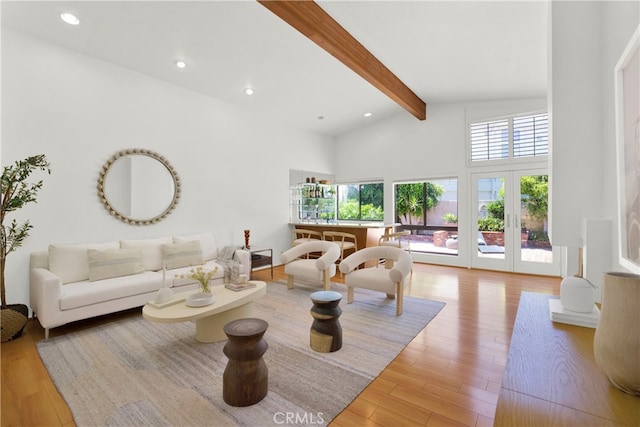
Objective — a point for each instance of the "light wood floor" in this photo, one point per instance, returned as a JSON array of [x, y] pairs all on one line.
[[449, 375]]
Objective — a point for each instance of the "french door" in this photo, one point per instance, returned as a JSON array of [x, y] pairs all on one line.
[[509, 223]]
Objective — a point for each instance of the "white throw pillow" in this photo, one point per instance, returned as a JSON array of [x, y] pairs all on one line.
[[71, 263], [182, 254], [114, 263], [152, 258], [208, 243]]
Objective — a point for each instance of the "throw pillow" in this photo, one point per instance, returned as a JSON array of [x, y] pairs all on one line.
[[151, 250], [208, 243], [182, 254], [114, 263], [70, 262]]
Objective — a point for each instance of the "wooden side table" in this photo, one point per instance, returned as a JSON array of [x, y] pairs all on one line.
[[551, 377], [326, 332], [245, 379]]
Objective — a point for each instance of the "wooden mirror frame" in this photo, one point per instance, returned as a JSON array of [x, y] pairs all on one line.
[[140, 152]]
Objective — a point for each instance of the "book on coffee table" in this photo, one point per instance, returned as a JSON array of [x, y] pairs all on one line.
[[240, 286]]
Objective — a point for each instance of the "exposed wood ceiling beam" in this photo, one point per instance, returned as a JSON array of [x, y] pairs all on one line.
[[312, 21]]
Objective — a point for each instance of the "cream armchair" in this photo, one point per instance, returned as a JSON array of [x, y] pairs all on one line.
[[388, 279], [320, 270]]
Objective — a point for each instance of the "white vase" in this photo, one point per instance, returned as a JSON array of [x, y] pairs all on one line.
[[616, 344], [576, 294]]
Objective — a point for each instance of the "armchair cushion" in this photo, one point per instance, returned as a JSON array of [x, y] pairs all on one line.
[[308, 268], [330, 250], [387, 280]]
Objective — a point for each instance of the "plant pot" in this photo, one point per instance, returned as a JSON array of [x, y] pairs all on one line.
[[616, 345], [13, 319]]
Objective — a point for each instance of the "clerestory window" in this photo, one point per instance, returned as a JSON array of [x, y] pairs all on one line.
[[509, 138]]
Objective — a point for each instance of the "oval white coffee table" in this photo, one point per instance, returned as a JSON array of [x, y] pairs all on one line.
[[229, 305]]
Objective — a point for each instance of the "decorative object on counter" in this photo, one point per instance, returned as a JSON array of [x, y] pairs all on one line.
[[15, 194], [616, 344], [201, 275], [245, 381], [326, 331], [247, 233]]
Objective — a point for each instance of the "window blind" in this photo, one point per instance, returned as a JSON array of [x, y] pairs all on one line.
[[490, 140], [530, 136], [515, 137]]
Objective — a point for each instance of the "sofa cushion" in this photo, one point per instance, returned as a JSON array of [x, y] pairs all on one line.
[[114, 263], [71, 263], [152, 258], [85, 293], [208, 243], [182, 254]]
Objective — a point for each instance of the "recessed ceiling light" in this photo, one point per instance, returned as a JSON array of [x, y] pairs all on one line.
[[368, 114], [320, 117], [181, 64], [69, 18], [248, 91]]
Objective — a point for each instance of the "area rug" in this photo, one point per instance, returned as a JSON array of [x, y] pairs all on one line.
[[133, 372]]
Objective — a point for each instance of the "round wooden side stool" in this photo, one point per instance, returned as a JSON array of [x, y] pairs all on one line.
[[326, 332], [245, 378]]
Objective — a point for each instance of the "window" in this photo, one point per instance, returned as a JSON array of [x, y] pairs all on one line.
[[515, 137], [430, 210], [361, 202]]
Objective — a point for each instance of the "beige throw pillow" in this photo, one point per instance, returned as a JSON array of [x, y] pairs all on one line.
[[151, 250], [114, 263], [208, 243], [182, 254]]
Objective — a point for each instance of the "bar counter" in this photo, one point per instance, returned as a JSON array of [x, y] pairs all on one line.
[[368, 234]]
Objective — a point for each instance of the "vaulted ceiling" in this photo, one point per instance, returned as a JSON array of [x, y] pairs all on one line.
[[444, 51]]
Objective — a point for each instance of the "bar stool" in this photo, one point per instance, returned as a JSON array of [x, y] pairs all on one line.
[[346, 241]]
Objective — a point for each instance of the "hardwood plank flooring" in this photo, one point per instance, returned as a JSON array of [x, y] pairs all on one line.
[[449, 375]]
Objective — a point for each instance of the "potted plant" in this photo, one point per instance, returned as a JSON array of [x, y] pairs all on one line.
[[450, 218], [16, 193]]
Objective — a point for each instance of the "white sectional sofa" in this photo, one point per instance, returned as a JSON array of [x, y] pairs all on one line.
[[79, 281]]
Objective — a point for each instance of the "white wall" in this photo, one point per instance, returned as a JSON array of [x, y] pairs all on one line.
[[234, 165], [402, 148], [588, 39]]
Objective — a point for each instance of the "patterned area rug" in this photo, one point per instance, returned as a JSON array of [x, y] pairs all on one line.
[[135, 372]]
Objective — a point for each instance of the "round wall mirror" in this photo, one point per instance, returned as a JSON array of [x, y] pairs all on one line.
[[138, 186]]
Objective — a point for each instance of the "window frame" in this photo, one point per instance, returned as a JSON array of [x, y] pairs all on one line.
[[360, 184]]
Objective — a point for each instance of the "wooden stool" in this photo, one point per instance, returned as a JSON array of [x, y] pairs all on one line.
[[245, 379], [326, 332]]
